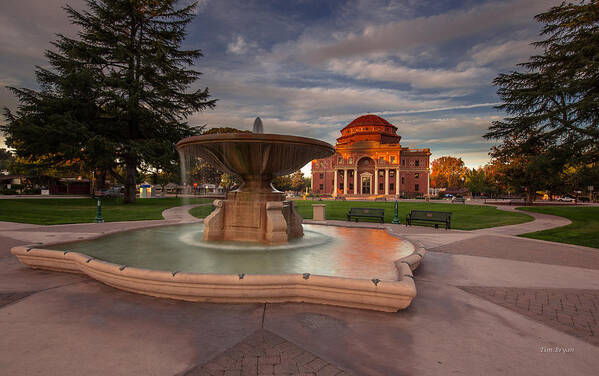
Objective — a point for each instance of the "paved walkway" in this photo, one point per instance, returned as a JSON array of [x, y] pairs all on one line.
[[477, 312], [573, 311], [24, 233]]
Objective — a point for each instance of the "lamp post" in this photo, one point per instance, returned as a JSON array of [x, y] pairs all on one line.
[[99, 218], [396, 214]]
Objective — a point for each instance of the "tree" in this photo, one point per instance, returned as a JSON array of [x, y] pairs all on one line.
[[475, 181], [448, 172], [308, 182], [228, 181], [553, 106], [205, 173], [225, 130], [297, 181], [486, 179], [282, 183], [6, 158], [44, 170], [116, 96]]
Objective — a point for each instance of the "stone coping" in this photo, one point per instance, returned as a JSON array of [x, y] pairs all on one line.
[[379, 295]]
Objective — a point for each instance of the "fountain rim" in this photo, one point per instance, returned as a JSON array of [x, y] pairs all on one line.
[[375, 294], [252, 138]]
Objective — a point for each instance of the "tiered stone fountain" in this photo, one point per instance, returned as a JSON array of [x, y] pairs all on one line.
[[255, 212], [328, 266]]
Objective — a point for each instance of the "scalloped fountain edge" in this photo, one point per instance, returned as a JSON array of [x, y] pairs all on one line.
[[379, 295]]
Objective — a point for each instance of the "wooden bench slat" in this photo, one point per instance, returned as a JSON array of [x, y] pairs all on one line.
[[366, 213], [430, 216]]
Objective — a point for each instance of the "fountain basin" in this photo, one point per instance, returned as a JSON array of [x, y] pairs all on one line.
[[345, 290]]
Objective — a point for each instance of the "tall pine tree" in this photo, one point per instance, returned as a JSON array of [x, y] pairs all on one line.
[[553, 105], [118, 94]]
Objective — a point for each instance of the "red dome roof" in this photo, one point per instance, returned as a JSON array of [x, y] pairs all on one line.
[[369, 120], [369, 128]]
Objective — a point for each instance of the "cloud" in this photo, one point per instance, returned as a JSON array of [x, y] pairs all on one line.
[[7, 99], [239, 46], [201, 5], [249, 91], [458, 135], [420, 32], [450, 108], [27, 27], [311, 70], [509, 52], [387, 71]]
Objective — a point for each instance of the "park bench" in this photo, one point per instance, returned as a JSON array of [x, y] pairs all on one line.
[[340, 198], [429, 216], [366, 213], [459, 199], [380, 199]]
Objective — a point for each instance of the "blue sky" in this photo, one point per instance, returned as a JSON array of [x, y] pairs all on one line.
[[309, 67]]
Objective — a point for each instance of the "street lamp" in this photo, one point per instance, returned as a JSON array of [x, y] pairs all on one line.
[[395, 220], [99, 218]]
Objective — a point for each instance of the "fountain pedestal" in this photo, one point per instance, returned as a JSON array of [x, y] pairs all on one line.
[[267, 219]]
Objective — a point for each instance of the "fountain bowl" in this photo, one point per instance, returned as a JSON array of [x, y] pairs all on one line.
[[256, 157]]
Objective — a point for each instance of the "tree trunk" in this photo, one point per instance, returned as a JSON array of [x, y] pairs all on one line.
[[130, 179], [530, 196], [100, 179]]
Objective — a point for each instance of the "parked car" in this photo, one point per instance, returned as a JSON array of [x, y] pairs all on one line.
[[566, 199], [110, 192]]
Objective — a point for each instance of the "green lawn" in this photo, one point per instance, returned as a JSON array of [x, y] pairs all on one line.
[[465, 217], [201, 211], [53, 211], [584, 229]]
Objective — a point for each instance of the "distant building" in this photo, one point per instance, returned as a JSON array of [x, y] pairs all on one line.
[[370, 161]]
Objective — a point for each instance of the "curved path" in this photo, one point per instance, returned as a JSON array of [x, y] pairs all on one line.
[[21, 233], [540, 222], [488, 303]]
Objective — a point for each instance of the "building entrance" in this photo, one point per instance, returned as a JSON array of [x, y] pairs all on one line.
[[366, 185]]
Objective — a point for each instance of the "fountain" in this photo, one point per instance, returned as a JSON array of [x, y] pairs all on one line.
[[252, 247], [254, 212]]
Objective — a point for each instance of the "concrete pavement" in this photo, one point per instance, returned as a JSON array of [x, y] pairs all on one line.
[[63, 324]]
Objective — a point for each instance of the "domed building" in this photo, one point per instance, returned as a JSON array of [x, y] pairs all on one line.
[[369, 161]]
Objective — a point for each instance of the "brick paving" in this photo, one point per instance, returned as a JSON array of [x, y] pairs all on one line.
[[265, 353], [573, 311]]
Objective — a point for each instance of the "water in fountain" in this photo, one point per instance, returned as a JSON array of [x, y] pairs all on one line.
[[323, 250]]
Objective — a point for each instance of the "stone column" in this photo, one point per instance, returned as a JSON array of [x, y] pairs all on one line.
[[355, 181], [428, 183], [376, 182], [397, 181], [345, 181], [335, 184], [386, 181]]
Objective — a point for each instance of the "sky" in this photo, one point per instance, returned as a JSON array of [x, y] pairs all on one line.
[[309, 67]]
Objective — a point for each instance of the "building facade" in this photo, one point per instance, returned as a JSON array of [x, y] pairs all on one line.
[[370, 161]]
